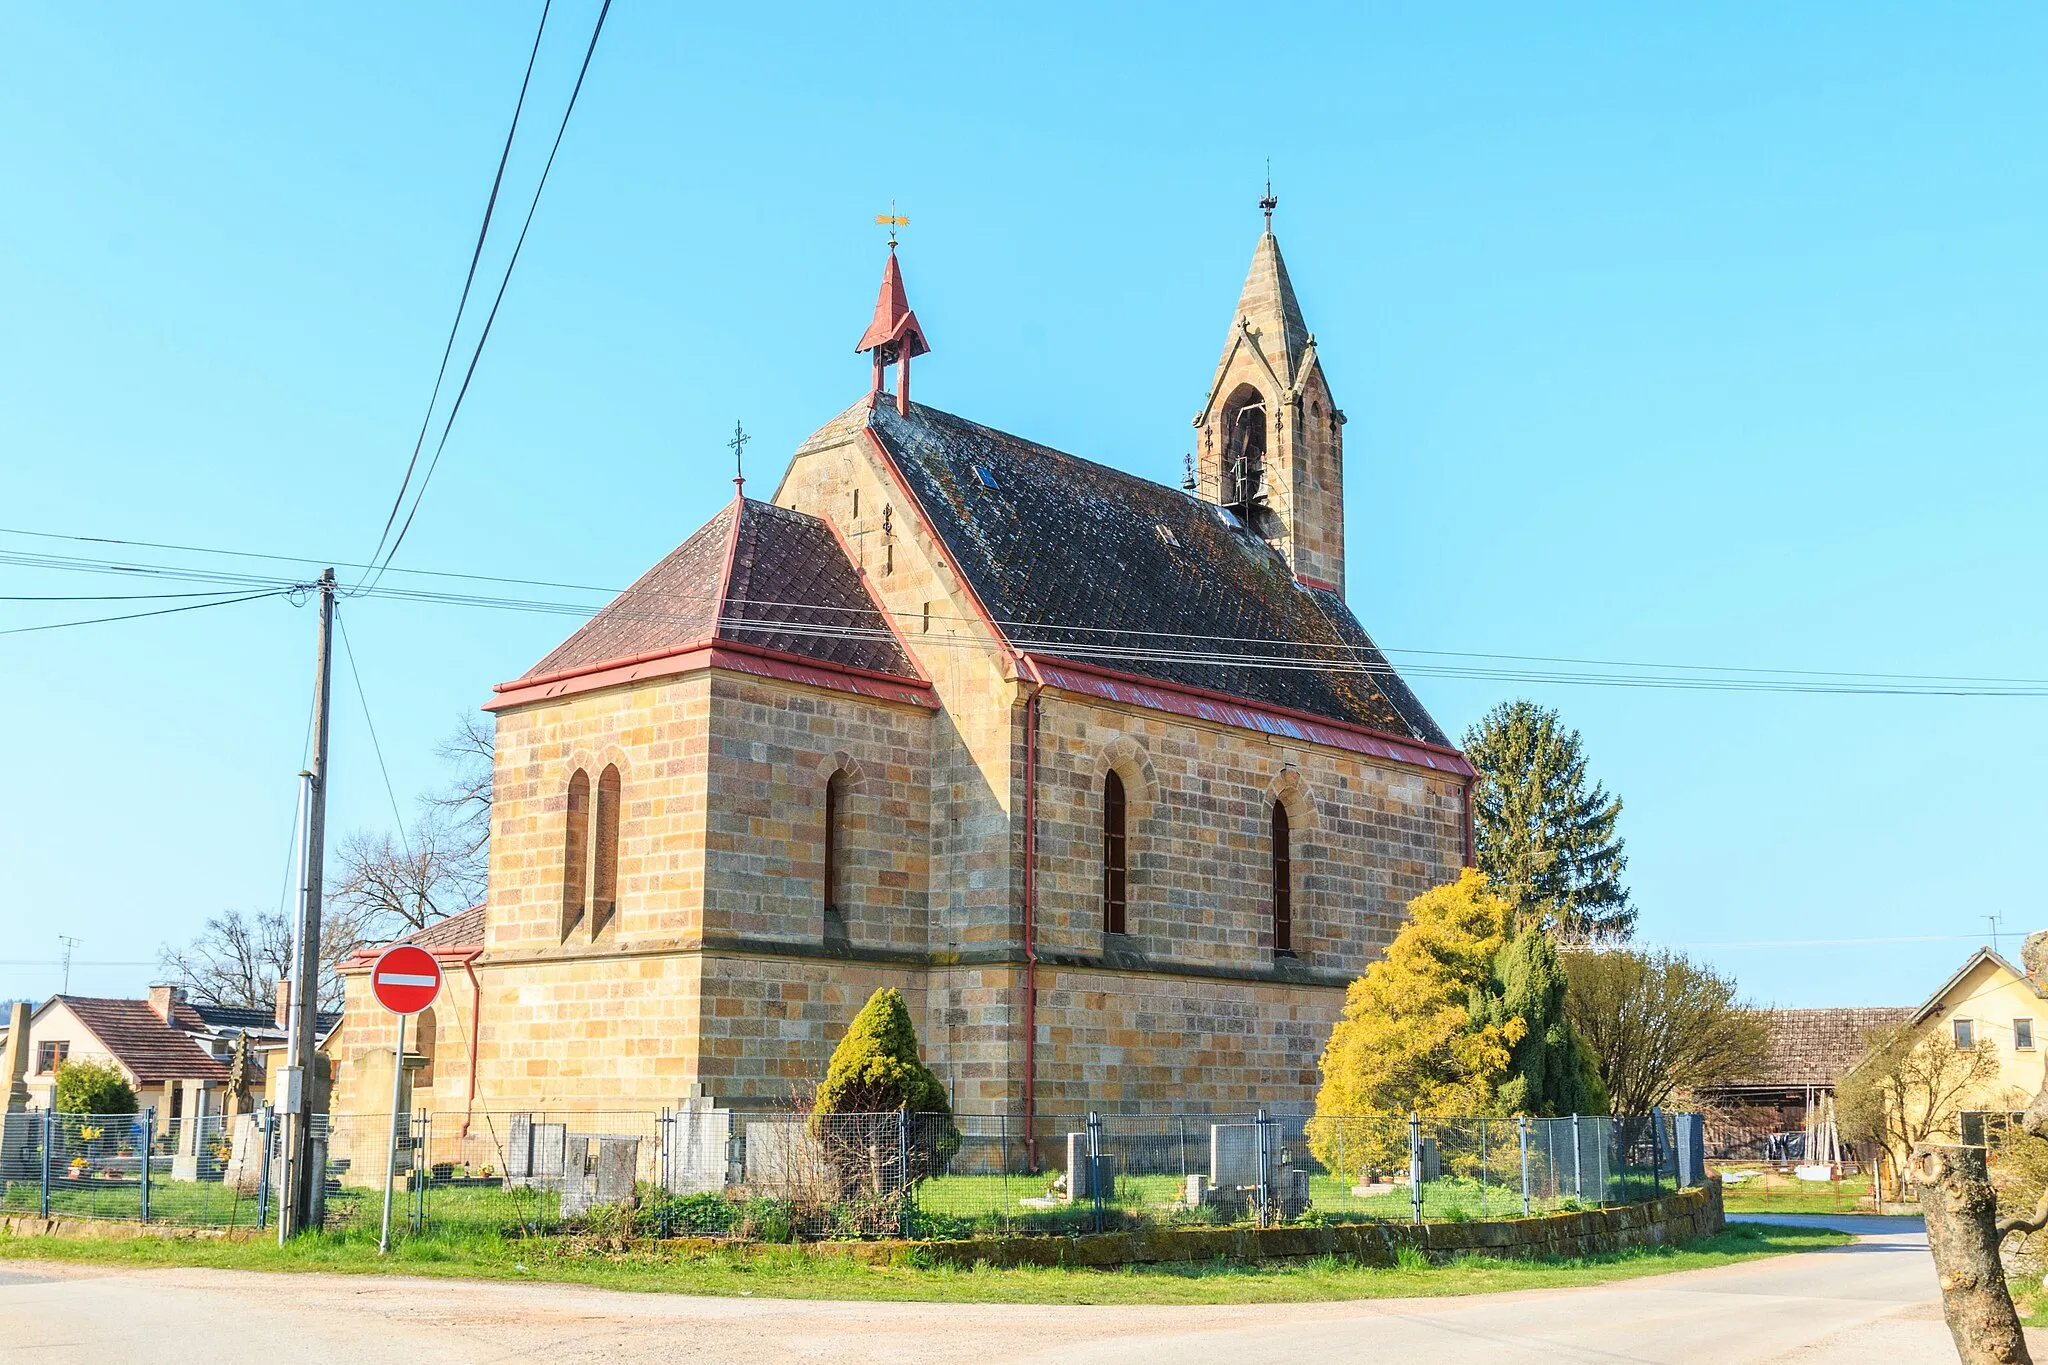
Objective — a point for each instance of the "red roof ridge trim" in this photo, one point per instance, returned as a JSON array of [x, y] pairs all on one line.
[[1434, 757]]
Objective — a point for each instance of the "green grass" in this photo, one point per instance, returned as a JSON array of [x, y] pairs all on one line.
[[790, 1273], [1772, 1192]]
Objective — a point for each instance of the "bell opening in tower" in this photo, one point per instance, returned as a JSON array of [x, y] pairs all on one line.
[[1244, 452]]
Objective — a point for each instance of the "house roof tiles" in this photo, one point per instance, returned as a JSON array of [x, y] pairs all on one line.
[[150, 1048]]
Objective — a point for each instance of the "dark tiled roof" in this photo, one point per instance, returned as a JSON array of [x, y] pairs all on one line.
[[462, 930], [235, 1016], [143, 1043], [756, 574], [1077, 559], [1813, 1047]]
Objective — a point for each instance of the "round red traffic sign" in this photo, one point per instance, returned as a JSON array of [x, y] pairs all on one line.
[[406, 979]]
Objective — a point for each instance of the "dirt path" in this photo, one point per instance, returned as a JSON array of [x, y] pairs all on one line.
[[1874, 1300]]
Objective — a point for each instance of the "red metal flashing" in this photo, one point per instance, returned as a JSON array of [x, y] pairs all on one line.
[[1315, 583], [734, 656], [1222, 709]]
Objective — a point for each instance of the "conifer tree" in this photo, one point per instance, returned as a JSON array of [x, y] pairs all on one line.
[[1545, 832], [876, 1069], [1550, 1071]]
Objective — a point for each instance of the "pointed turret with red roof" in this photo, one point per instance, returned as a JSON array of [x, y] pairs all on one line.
[[894, 336]]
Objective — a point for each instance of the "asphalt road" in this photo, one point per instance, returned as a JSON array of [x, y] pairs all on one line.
[[1874, 1300]]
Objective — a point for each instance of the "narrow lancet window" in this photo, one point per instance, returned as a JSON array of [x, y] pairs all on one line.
[[1114, 854], [835, 853], [1283, 883], [575, 852], [604, 889]]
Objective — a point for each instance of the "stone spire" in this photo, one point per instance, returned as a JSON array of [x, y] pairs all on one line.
[[1272, 441]]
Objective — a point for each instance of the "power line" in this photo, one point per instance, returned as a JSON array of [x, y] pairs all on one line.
[[456, 408], [348, 652], [1086, 643], [476, 255], [139, 615]]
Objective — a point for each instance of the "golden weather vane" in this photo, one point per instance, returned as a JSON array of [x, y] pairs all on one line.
[[892, 220]]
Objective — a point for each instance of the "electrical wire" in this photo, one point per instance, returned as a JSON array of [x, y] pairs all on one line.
[[139, 615], [1114, 645], [348, 652], [475, 256], [456, 408]]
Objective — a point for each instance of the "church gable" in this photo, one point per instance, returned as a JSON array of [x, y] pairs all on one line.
[[755, 574]]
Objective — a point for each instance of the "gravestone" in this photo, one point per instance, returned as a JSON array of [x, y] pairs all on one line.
[[600, 1169], [534, 1152], [698, 1159], [785, 1160], [1082, 1169], [244, 1171], [1233, 1156], [1691, 1135]]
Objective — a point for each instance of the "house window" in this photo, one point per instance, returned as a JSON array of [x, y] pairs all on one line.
[[2023, 1035], [1114, 855], [575, 851], [604, 889], [50, 1056], [1966, 1032], [1283, 883], [835, 814]]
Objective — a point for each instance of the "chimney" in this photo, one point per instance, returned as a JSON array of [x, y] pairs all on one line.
[[161, 998], [283, 1005]]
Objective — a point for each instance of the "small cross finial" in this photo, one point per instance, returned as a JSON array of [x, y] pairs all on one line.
[[894, 220], [1271, 201], [738, 446]]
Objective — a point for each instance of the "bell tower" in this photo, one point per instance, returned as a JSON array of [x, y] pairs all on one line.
[[1271, 440]]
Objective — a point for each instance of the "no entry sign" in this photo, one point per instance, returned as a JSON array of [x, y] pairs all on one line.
[[406, 979]]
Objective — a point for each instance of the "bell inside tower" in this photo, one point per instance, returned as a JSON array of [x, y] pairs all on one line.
[[1244, 452]]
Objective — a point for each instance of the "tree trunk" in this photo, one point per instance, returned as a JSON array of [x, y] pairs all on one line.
[[1962, 1232]]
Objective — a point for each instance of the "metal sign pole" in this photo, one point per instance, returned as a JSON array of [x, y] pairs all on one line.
[[391, 1148]]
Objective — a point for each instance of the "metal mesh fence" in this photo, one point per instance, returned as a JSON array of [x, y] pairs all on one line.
[[699, 1170]]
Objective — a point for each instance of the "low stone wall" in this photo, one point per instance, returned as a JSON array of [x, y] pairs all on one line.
[[31, 1225], [1675, 1218]]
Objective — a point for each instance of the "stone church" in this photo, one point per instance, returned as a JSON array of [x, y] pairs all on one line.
[[1102, 774]]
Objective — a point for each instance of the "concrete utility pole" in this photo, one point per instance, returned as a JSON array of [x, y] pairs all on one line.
[[300, 1192]]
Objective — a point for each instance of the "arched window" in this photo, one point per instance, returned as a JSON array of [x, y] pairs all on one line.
[[1114, 855], [575, 852], [835, 819], [604, 889], [1283, 883]]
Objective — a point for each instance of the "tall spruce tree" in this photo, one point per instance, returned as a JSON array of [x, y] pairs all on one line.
[[1546, 833], [1550, 1070]]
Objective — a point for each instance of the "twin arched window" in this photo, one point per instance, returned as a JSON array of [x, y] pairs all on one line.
[[590, 852], [1116, 866]]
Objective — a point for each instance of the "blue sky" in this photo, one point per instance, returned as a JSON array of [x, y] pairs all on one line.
[[1709, 338]]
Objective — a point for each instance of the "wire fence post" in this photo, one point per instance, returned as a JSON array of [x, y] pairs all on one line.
[[1656, 1152], [1522, 1127], [263, 1178], [148, 1141], [1265, 1170], [903, 1171], [1094, 1164], [1415, 1160], [1578, 1172], [1482, 1168], [49, 1139]]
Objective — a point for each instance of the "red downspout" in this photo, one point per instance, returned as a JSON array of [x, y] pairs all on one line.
[[1030, 924], [476, 1031]]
